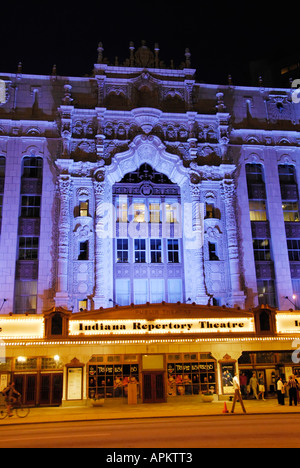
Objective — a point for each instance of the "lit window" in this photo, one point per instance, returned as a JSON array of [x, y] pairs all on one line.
[[139, 212], [84, 208], [122, 210], [155, 213], [171, 212], [257, 210], [290, 211], [82, 305]]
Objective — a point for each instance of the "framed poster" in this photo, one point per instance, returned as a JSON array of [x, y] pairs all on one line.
[[75, 375], [227, 374]]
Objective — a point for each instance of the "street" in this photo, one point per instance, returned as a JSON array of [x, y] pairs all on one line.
[[240, 431]]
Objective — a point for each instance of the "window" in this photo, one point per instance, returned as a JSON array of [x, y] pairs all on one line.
[[254, 173], [174, 290], [2, 167], [155, 212], [25, 297], [30, 206], [139, 211], [155, 251], [257, 210], [191, 378], [83, 251], [83, 305], [294, 249], [290, 211], [261, 249], [212, 249], [32, 167], [210, 211], [173, 250], [123, 292], [84, 208], [122, 210], [140, 250], [122, 251], [286, 174], [296, 292], [111, 381], [266, 292], [140, 291], [28, 248], [157, 291], [171, 212]]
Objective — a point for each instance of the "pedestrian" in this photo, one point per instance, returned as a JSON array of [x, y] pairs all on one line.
[[237, 393], [243, 382], [254, 384], [261, 387], [280, 391], [292, 385]]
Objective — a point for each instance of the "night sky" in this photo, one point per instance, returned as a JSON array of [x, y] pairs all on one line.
[[223, 38]]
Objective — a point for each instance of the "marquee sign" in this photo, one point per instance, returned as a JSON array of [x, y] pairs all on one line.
[[288, 323], [21, 328], [160, 327]]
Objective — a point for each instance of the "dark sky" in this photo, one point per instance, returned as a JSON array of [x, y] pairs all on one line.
[[223, 38]]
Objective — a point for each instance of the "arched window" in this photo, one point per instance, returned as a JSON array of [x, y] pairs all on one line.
[[32, 167]]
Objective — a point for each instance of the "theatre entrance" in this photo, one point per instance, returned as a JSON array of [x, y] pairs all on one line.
[[154, 378], [154, 387]]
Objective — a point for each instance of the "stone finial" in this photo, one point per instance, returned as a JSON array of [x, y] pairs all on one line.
[[156, 51], [187, 58], [100, 53], [67, 99], [132, 49]]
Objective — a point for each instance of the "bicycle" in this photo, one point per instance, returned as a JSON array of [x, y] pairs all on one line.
[[17, 408]]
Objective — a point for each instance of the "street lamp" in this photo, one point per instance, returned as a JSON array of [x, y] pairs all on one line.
[[294, 297]]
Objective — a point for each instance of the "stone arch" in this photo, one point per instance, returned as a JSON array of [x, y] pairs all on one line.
[[150, 150]]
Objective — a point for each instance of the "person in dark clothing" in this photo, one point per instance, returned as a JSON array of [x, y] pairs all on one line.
[[292, 386]]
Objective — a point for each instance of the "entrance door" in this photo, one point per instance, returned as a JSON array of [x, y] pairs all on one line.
[[154, 387], [26, 385], [51, 389]]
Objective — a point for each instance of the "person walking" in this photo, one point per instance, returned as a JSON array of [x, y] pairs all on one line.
[[261, 387], [237, 393], [253, 385], [292, 385], [280, 391]]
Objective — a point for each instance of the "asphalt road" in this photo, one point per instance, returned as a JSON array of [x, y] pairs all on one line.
[[239, 431]]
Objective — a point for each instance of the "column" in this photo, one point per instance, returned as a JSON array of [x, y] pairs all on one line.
[[228, 193], [198, 254], [62, 294], [100, 299]]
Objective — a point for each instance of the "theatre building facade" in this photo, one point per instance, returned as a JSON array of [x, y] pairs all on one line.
[[150, 234]]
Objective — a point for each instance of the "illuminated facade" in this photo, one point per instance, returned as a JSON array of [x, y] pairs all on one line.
[[139, 185]]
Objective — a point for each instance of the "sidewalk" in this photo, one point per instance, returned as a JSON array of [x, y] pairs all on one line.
[[117, 410]]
